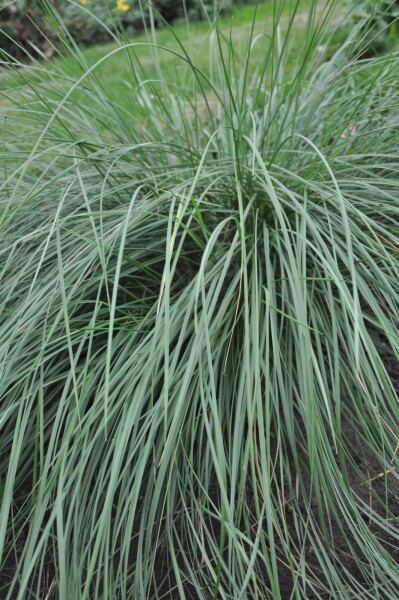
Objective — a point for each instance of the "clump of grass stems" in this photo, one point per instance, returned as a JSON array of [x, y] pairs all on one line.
[[199, 300]]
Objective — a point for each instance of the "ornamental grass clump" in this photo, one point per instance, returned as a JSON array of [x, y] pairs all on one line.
[[199, 319]]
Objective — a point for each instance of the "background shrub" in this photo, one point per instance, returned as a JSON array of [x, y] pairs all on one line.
[[133, 15], [23, 29], [88, 24], [379, 25]]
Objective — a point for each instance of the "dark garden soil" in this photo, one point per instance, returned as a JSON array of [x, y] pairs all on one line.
[[366, 468]]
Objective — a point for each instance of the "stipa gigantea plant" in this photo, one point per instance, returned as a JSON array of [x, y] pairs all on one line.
[[199, 310]]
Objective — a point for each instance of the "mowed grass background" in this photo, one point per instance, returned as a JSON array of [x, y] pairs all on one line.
[[199, 304]]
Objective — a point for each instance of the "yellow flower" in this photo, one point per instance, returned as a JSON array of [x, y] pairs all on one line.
[[83, 1], [122, 5]]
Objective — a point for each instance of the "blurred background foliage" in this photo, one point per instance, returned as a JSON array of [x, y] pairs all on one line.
[[22, 26], [23, 29], [87, 26], [378, 20]]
